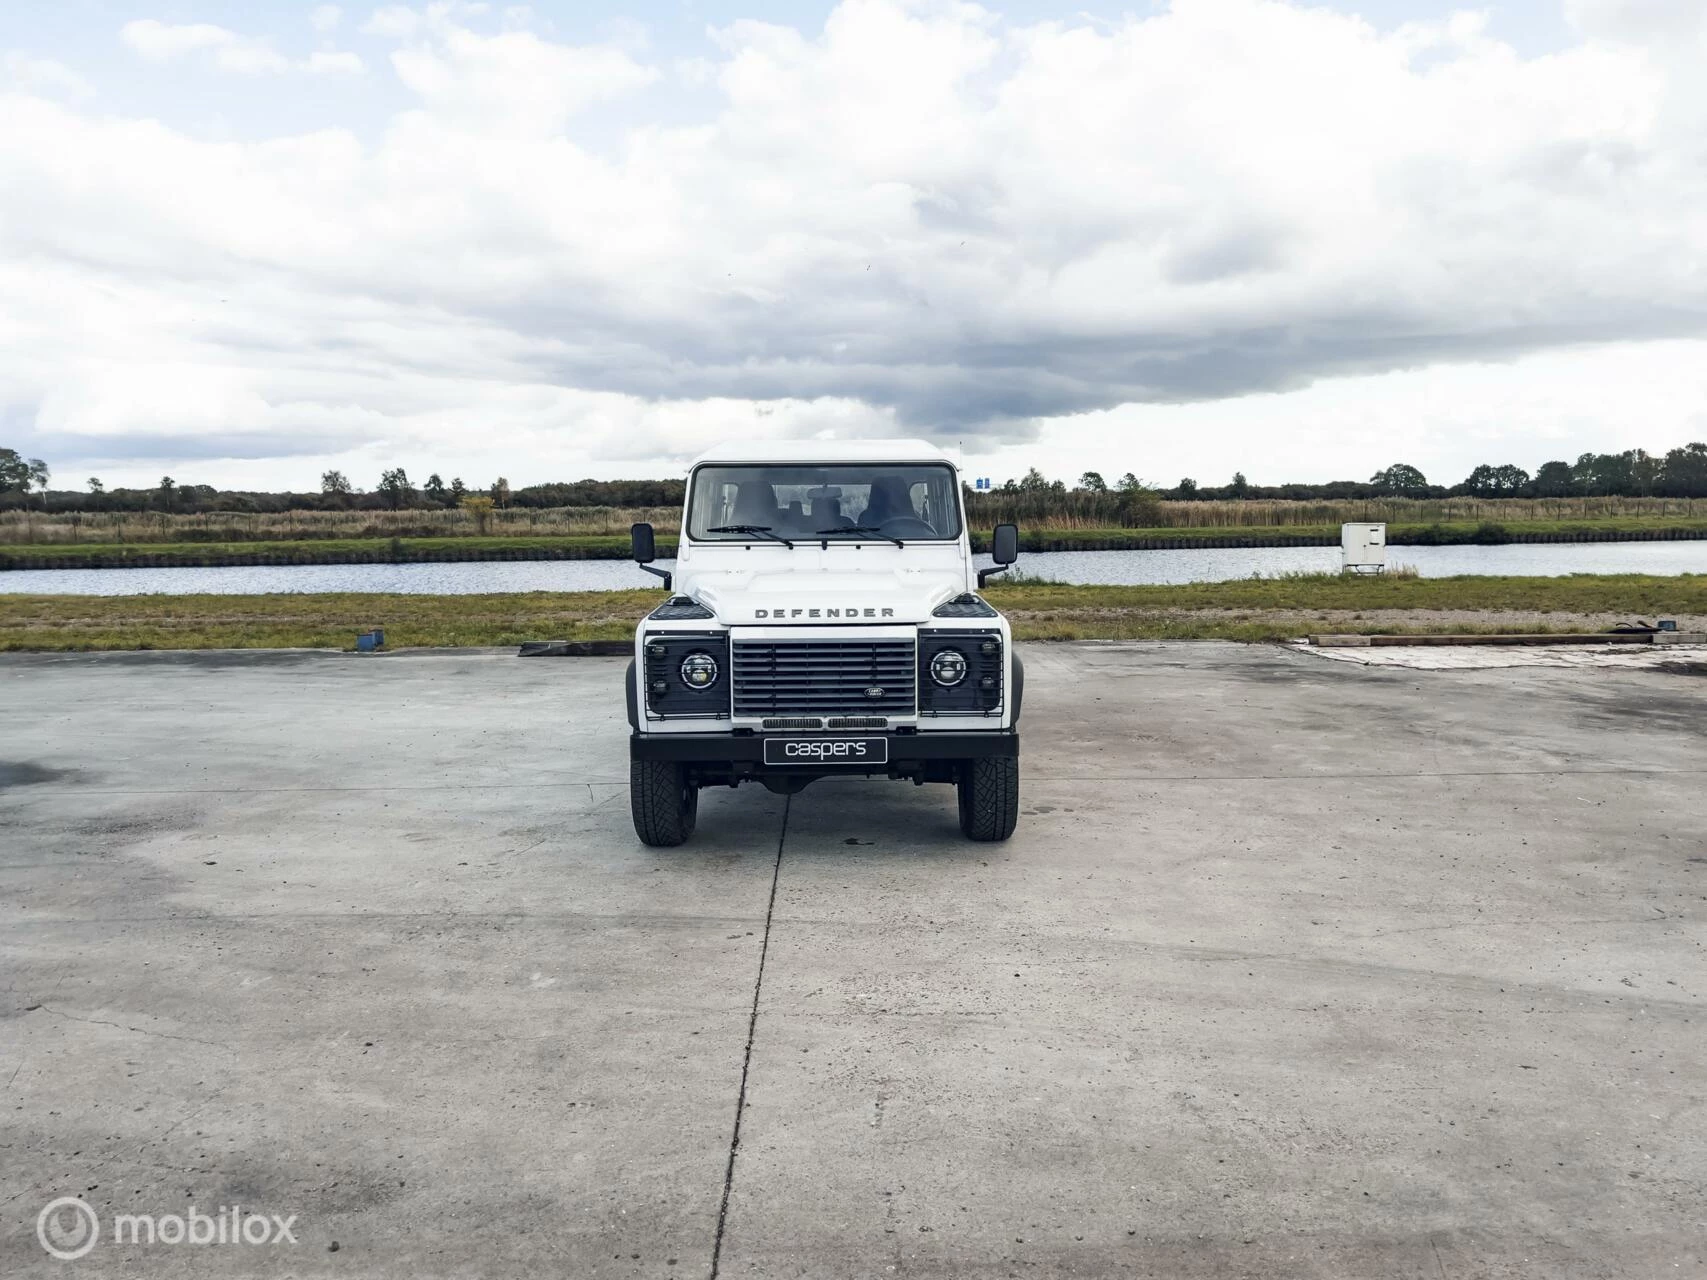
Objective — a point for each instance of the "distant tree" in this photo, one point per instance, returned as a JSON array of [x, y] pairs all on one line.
[[1186, 489], [1033, 482], [1512, 480], [166, 493], [434, 488], [479, 506], [1129, 483], [1600, 474], [1092, 482], [14, 471], [334, 482], [395, 488], [1139, 507], [1240, 486], [96, 487], [457, 490], [1645, 472], [1685, 472], [500, 492], [20, 473], [1553, 480], [1400, 478], [1497, 482]]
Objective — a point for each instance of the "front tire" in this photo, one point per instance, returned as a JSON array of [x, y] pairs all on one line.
[[665, 804], [989, 798]]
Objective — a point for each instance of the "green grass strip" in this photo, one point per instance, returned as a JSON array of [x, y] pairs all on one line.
[[1250, 609]]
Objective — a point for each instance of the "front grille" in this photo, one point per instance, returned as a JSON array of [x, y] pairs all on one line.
[[794, 722], [824, 677], [858, 722]]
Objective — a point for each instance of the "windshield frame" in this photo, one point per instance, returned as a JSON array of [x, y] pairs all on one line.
[[703, 536]]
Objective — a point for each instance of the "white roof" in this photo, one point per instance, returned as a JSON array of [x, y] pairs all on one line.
[[811, 451]]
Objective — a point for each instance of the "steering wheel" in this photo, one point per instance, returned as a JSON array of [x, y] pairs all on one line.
[[908, 527]]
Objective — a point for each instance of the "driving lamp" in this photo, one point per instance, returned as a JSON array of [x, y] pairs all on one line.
[[948, 667], [699, 670]]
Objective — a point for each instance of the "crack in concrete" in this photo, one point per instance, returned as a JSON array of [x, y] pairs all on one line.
[[747, 1057], [141, 1031]]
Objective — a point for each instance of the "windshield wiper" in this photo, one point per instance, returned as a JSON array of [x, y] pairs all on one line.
[[864, 528], [763, 529]]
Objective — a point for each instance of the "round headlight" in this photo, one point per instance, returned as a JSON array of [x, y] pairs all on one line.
[[699, 670], [948, 668]]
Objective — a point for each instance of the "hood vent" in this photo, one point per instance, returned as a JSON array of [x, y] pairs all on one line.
[[681, 609]]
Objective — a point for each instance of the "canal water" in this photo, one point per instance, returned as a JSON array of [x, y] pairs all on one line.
[[1103, 568]]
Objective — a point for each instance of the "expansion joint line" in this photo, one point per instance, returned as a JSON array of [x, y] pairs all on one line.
[[747, 1057]]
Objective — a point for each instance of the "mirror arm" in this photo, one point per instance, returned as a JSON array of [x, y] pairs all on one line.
[[984, 575], [659, 573]]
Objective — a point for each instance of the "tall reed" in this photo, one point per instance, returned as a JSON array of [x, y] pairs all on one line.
[[1073, 510]]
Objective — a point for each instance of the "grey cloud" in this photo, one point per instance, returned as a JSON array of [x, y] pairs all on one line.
[[1088, 218], [77, 450]]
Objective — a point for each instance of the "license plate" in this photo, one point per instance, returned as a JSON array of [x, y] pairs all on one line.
[[826, 751]]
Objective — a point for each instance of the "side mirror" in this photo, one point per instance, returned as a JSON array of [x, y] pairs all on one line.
[[645, 551], [1004, 550]]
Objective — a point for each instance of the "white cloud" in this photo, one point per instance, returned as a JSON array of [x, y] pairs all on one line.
[[164, 42], [227, 50], [161, 42], [1443, 418], [25, 73], [325, 18], [394, 21], [512, 82], [1641, 21], [330, 62], [921, 219]]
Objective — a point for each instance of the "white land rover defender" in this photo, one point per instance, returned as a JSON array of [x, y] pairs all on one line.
[[823, 620]]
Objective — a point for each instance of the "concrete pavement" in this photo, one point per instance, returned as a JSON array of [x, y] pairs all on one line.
[[1292, 968]]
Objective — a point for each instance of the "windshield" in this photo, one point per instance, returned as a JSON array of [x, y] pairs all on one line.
[[863, 501]]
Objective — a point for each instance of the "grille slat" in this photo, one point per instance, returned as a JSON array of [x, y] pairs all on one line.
[[824, 677]]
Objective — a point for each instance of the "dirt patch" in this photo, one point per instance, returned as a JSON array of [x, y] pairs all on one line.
[[16, 773], [1308, 620]]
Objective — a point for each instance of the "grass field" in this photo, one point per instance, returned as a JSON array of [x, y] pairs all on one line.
[[153, 527], [72, 555], [1251, 610]]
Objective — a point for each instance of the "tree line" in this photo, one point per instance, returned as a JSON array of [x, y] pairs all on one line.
[[1678, 473], [1635, 473], [24, 482]]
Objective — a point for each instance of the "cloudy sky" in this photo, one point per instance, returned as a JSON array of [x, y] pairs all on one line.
[[244, 241]]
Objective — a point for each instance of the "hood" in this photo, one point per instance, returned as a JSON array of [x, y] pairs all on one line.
[[744, 597]]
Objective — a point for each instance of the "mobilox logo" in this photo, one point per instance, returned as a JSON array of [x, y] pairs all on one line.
[[69, 1227]]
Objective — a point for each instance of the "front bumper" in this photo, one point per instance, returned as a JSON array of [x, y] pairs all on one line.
[[732, 757]]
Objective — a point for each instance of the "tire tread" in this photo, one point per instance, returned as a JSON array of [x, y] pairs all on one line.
[[989, 798], [661, 819]]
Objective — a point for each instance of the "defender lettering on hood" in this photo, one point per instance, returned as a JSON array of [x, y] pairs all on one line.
[[853, 612]]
